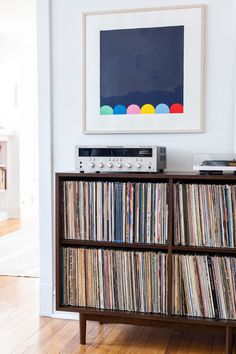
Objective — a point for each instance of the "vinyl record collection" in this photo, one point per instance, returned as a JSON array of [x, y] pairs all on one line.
[[205, 215], [144, 270], [118, 280], [204, 286], [116, 211], [2, 178]]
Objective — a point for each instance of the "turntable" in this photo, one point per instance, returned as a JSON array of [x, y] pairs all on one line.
[[215, 164]]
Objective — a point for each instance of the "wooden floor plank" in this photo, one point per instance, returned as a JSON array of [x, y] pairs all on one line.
[[129, 336], [139, 342], [202, 343], [110, 340], [73, 345], [23, 331], [158, 341], [148, 340], [174, 342], [9, 225], [185, 343], [218, 346], [55, 342]]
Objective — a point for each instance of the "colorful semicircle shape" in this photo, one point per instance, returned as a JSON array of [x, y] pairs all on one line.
[[147, 109], [162, 108], [133, 109], [176, 108], [106, 110], [119, 109]]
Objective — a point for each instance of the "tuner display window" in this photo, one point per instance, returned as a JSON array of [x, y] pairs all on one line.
[[115, 152]]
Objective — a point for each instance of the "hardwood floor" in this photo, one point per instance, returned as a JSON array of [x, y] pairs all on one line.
[[23, 331], [9, 225]]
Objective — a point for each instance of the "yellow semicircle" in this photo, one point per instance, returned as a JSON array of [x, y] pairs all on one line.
[[147, 109]]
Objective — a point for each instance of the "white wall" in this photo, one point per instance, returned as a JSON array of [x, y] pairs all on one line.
[[17, 18], [67, 85], [9, 117], [60, 76], [9, 74], [27, 103], [234, 14], [45, 160]]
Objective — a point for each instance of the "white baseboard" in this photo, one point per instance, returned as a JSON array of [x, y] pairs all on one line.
[[65, 315], [3, 215], [13, 214]]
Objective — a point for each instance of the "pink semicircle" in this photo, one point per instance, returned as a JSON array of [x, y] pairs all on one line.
[[133, 109]]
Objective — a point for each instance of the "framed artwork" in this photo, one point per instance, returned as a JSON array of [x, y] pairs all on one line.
[[143, 70]]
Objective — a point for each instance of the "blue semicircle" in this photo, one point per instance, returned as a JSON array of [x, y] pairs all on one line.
[[162, 108], [119, 109]]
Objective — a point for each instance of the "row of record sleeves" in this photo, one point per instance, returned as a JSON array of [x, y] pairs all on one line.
[[114, 280], [205, 215], [115, 211], [204, 286]]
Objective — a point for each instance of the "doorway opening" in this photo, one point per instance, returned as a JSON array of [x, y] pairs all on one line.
[[19, 250]]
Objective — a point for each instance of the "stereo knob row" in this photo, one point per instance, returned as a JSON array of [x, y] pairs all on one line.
[[110, 165], [128, 165]]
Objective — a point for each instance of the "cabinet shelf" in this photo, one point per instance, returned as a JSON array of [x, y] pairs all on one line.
[[107, 244], [204, 249], [150, 316], [148, 246], [171, 250]]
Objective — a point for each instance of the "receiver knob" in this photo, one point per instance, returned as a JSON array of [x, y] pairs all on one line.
[[91, 164], [138, 165], [128, 165], [119, 165], [100, 164], [110, 164]]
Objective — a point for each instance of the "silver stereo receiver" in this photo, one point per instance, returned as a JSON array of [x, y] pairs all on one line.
[[120, 158]]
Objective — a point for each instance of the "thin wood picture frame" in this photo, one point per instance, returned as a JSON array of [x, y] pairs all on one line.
[[142, 90]]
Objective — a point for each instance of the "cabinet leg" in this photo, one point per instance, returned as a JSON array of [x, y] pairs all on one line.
[[82, 324], [229, 340]]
